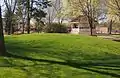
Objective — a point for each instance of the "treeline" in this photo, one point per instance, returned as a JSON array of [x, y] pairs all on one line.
[[18, 14], [107, 11]]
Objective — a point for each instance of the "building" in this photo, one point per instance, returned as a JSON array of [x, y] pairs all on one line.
[[80, 25]]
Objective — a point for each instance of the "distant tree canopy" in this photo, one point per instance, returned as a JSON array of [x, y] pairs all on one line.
[[23, 11], [10, 8], [114, 7], [89, 8], [113, 13]]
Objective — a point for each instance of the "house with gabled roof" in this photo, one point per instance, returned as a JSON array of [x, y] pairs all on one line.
[[80, 25]]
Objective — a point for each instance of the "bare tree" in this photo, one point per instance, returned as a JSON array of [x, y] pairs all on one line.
[[11, 6], [21, 14], [114, 7], [89, 8], [113, 12], [54, 11]]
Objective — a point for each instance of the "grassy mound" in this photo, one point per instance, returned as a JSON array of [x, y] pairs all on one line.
[[60, 56]]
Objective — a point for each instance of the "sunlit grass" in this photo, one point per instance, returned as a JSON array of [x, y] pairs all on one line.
[[64, 55]]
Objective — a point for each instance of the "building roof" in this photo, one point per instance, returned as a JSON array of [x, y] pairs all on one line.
[[81, 19]]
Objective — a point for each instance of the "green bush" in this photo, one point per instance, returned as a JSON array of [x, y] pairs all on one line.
[[55, 28]]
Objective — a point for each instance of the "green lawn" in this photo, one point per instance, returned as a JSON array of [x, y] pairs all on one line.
[[60, 56]]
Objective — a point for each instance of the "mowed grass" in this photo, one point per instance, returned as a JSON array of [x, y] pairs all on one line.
[[60, 56]]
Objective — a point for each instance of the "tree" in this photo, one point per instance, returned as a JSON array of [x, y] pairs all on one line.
[[88, 8], [54, 12], [113, 13], [38, 14], [28, 16], [21, 13], [2, 44], [6, 17], [38, 3], [11, 6], [114, 7]]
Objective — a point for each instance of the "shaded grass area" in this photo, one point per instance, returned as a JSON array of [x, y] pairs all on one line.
[[60, 56]]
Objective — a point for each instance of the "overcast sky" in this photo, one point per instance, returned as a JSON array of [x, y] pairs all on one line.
[[1, 2]]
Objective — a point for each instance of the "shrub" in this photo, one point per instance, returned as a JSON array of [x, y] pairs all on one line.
[[55, 28]]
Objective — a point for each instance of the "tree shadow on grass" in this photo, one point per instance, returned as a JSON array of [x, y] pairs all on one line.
[[88, 66], [23, 49], [19, 51]]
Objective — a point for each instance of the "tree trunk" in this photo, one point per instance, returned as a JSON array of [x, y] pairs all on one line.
[[12, 29], [91, 27], [2, 44], [9, 23], [23, 26], [28, 16], [9, 27], [110, 27], [91, 31]]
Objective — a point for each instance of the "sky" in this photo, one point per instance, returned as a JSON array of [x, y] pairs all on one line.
[[2, 6], [1, 2]]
